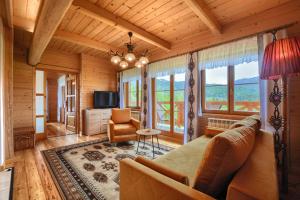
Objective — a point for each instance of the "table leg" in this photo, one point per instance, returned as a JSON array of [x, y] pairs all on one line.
[[137, 150], [157, 141], [144, 141], [152, 145]]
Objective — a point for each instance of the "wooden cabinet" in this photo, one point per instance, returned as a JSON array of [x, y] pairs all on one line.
[[24, 138], [95, 121]]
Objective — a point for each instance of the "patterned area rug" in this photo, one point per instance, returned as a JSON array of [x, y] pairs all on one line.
[[90, 170]]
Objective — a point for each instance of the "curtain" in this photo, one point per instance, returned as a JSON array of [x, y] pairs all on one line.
[[167, 67], [191, 98], [233, 53], [266, 86], [121, 90], [145, 99], [131, 74]]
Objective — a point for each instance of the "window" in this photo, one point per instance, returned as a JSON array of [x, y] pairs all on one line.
[[133, 93], [216, 89], [162, 103], [179, 81], [168, 109], [231, 89]]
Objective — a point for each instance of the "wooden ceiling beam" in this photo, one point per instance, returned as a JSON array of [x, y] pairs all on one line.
[[51, 14], [109, 18], [23, 24], [206, 16], [279, 16], [83, 41]]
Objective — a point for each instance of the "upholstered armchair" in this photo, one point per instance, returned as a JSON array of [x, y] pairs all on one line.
[[121, 126]]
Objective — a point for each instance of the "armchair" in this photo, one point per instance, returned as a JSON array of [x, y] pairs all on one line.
[[121, 126]]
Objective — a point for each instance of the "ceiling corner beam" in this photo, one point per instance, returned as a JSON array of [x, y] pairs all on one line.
[[51, 14], [83, 41], [206, 16], [109, 18], [23, 24]]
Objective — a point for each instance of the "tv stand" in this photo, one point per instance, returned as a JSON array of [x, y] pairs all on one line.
[[95, 121]]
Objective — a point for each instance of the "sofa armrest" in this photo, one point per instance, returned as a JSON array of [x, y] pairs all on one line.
[[110, 129], [163, 170], [138, 182], [135, 123]]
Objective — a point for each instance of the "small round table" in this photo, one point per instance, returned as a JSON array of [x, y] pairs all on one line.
[[148, 132]]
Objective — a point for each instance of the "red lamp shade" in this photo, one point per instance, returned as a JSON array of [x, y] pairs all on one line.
[[281, 59]]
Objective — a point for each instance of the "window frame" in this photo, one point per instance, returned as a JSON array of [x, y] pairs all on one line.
[[170, 134], [126, 88], [230, 111]]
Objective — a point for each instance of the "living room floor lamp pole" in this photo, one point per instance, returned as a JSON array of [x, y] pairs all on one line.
[[281, 60]]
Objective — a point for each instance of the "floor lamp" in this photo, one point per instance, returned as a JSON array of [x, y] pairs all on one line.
[[281, 60]]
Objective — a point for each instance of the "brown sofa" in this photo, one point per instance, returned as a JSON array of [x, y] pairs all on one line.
[[254, 179], [122, 127]]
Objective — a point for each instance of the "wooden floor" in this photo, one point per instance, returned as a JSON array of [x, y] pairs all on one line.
[[55, 129], [32, 178]]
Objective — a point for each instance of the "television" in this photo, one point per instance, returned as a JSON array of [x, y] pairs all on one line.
[[106, 99]]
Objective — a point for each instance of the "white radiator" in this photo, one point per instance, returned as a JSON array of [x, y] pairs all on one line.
[[220, 123]]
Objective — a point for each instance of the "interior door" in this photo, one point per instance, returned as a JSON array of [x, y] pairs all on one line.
[[70, 105], [40, 104]]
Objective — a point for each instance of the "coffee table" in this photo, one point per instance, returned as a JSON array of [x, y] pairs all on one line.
[[145, 133]]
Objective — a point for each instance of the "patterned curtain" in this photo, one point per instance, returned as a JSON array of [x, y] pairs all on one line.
[[145, 98], [191, 98]]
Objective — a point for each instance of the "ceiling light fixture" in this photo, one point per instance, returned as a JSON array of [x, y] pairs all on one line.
[[129, 57]]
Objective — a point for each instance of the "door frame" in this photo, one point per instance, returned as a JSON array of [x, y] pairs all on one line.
[[45, 68]]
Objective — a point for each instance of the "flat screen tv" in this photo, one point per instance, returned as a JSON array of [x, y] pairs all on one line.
[[105, 99]]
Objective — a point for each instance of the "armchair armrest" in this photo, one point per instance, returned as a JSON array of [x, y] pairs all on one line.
[[135, 123], [110, 129], [138, 182]]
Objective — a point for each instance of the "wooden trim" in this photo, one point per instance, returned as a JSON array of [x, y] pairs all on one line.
[[50, 16], [172, 105], [200, 8], [56, 68], [109, 18], [84, 41], [153, 86], [171, 139], [6, 9], [230, 75], [126, 94]]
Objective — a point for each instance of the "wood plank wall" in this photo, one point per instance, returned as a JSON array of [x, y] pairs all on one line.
[[96, 74], [23, 91], [7, 81], [52, 99]]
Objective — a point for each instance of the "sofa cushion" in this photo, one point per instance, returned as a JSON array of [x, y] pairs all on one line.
[[124, 129], [223, 156], [163, 170], [251, 121], [185, 159], [120, 116]]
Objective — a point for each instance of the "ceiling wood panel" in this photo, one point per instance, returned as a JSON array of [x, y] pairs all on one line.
[[171, 20]]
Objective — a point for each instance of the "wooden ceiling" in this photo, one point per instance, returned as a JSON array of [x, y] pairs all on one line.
[[94, 26]]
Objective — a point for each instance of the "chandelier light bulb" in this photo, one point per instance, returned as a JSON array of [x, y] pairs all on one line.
[[130, 57], [123, 64], [144, 60], [115, 59], [138, 64]]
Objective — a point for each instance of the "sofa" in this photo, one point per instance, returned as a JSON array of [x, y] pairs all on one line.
[[122, 127], [238, 164]]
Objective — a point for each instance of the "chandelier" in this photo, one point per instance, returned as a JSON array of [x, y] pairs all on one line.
[[123, 61]]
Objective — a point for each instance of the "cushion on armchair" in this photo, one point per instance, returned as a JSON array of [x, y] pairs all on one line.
[[223, 156], [120, 116], [124, 129], [163, 170]]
